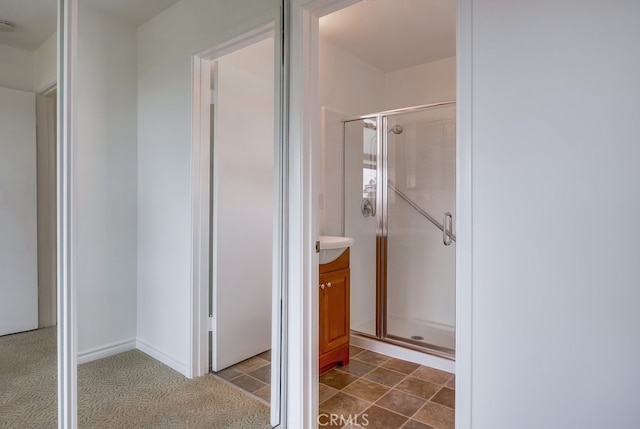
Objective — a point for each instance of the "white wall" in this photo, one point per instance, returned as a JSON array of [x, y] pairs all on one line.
[[428, 83], [29, 71], [45, 64], [18, 235], [106, 181], [165, 46], [555, 129], [348, 87], [243, 203], [17, 68], [348, 84]]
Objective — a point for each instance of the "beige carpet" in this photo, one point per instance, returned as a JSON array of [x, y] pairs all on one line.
[[129, 390]]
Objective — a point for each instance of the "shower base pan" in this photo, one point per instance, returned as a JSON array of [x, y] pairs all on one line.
[[416, 335]]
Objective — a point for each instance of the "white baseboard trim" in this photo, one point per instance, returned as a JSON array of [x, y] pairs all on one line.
[[106, 350], [402, 353], [163, 357]]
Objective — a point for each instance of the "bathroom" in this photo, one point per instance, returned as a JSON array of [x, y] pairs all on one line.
[[367, 66], [387, 91]]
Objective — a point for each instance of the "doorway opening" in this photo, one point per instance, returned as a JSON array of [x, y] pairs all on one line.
[[240, 304], [386, 78], [29, 222], [387, 90]]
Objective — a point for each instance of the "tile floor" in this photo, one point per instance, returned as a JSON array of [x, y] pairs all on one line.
[[391, 393], [252, 375]]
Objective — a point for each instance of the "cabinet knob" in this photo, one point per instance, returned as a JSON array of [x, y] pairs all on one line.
[[329, 284], [322, 286]]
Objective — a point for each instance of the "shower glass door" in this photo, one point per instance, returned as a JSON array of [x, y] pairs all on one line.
[[420, 155], [361, 221], [399, 206]]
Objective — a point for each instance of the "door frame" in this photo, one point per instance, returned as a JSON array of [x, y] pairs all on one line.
[[304, 174], [203, 241]]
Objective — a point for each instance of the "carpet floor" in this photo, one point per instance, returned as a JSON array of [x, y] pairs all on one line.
[[128, 390]]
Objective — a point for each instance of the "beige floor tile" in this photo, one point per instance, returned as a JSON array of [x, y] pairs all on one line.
[[432, 375], [420, 388], [446, 397], [385, 376], [356, 367], [401, 402], [343, 404], [337, 379], [229, 373], [436, 415], [248, 383], [365, 389], [452, 383], [400, 365], [379, 418], [325, 392], [414, 424], [264, 393], [353, 351], [263, 374], [372, 357], [250, 364]]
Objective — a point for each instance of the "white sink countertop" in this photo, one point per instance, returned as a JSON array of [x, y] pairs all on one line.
[[334, 242], [332, 246]]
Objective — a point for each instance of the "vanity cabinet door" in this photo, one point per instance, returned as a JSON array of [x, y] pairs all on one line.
[[334, 310]]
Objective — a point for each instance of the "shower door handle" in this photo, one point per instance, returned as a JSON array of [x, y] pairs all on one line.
[[447, 226]]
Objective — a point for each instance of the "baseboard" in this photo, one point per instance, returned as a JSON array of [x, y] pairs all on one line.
[[106, 350], [402, 353], [162, 357]]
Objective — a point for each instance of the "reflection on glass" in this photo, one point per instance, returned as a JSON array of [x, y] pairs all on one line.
[[360, 176], [28, 60], [154, 80]]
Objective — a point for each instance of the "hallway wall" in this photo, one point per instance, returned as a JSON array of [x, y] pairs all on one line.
[[555, 126], [164, 214], [106, 162]]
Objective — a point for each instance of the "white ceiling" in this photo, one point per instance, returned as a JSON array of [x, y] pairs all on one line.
[[35, 20], [388, 34], [133, 11], [394, 34]]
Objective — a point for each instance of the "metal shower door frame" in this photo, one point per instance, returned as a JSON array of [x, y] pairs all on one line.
[[382, 231]]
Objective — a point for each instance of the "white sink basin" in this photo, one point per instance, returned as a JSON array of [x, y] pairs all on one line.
[[331, 247]]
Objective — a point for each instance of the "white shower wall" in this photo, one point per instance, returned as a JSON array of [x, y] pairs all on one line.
[[353, 88]]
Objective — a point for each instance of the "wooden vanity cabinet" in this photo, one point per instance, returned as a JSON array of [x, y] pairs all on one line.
[[334, 312]]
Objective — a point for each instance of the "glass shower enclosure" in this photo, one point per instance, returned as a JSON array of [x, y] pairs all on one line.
[[399, 205]]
